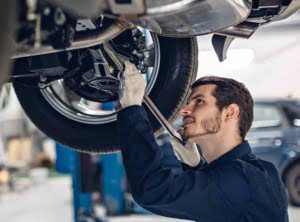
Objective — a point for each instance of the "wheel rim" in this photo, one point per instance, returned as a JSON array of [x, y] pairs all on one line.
[[78, 109]]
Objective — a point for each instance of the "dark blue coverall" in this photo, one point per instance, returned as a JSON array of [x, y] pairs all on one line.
[[236, 187]]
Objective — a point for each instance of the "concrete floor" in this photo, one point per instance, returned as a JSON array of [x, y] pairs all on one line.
[[52, 201]]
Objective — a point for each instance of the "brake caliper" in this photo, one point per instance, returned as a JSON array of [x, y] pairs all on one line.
[[101, 76]]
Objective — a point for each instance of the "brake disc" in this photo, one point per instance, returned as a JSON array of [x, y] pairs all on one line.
[[99, 76]]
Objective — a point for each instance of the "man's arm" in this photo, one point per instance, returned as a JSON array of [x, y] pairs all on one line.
[[192, 195]]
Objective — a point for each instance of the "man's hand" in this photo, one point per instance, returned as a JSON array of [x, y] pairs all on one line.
[[188, 153], [132, 86]]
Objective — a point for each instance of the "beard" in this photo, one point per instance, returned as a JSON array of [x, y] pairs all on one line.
[[210, 125]]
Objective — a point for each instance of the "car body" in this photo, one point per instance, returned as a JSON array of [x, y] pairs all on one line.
[[275, 132]]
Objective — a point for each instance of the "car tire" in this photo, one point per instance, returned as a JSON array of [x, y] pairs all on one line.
[[177, 71], [7, 24], [292, 182]]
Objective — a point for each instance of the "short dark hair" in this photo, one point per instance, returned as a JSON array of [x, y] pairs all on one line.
[[229, 91]]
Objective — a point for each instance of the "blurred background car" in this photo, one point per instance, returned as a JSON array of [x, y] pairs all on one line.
[[275, 137]]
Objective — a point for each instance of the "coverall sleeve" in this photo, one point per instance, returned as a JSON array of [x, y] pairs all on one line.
[[191, 195], [186, 167]]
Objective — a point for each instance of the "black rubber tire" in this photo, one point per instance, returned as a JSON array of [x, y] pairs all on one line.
[[290, 180], [178, 69], [8, 25]]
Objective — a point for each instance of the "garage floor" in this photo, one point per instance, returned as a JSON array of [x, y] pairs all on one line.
[[52, 202]]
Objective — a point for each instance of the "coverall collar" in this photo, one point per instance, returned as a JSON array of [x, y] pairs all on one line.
[[236, 153]]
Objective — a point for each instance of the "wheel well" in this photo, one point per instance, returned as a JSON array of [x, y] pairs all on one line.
[[288, 167]]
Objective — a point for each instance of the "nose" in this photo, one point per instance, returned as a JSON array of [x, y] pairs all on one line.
[[185, 111]]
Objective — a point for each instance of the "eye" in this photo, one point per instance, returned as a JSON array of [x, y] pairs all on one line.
[[199, 101]]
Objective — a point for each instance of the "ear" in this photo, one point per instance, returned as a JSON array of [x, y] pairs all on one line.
[[232, 111]]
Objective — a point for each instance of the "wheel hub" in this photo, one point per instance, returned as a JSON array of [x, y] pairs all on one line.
[[98, 79], [87, 96]]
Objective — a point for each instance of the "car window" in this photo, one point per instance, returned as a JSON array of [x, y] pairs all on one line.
[[293, 113], [266, 116]]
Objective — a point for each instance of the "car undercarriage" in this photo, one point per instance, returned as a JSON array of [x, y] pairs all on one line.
[[67, 78]]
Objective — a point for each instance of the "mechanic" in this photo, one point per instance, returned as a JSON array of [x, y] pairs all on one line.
[[228, 184]]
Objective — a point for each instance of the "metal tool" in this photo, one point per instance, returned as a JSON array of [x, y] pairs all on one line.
[[157, 114], [161, 119]]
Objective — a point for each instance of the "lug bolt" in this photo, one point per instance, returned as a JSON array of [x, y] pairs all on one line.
[[111, 70], [59, 17], [140, 66], [43, 78], [47, 11], [146, 54], [42, 85]]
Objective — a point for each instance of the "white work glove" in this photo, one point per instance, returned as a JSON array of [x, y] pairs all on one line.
[[187, 153], [132, 86]]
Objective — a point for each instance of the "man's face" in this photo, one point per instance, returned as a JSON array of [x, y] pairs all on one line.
[[201, 115]]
